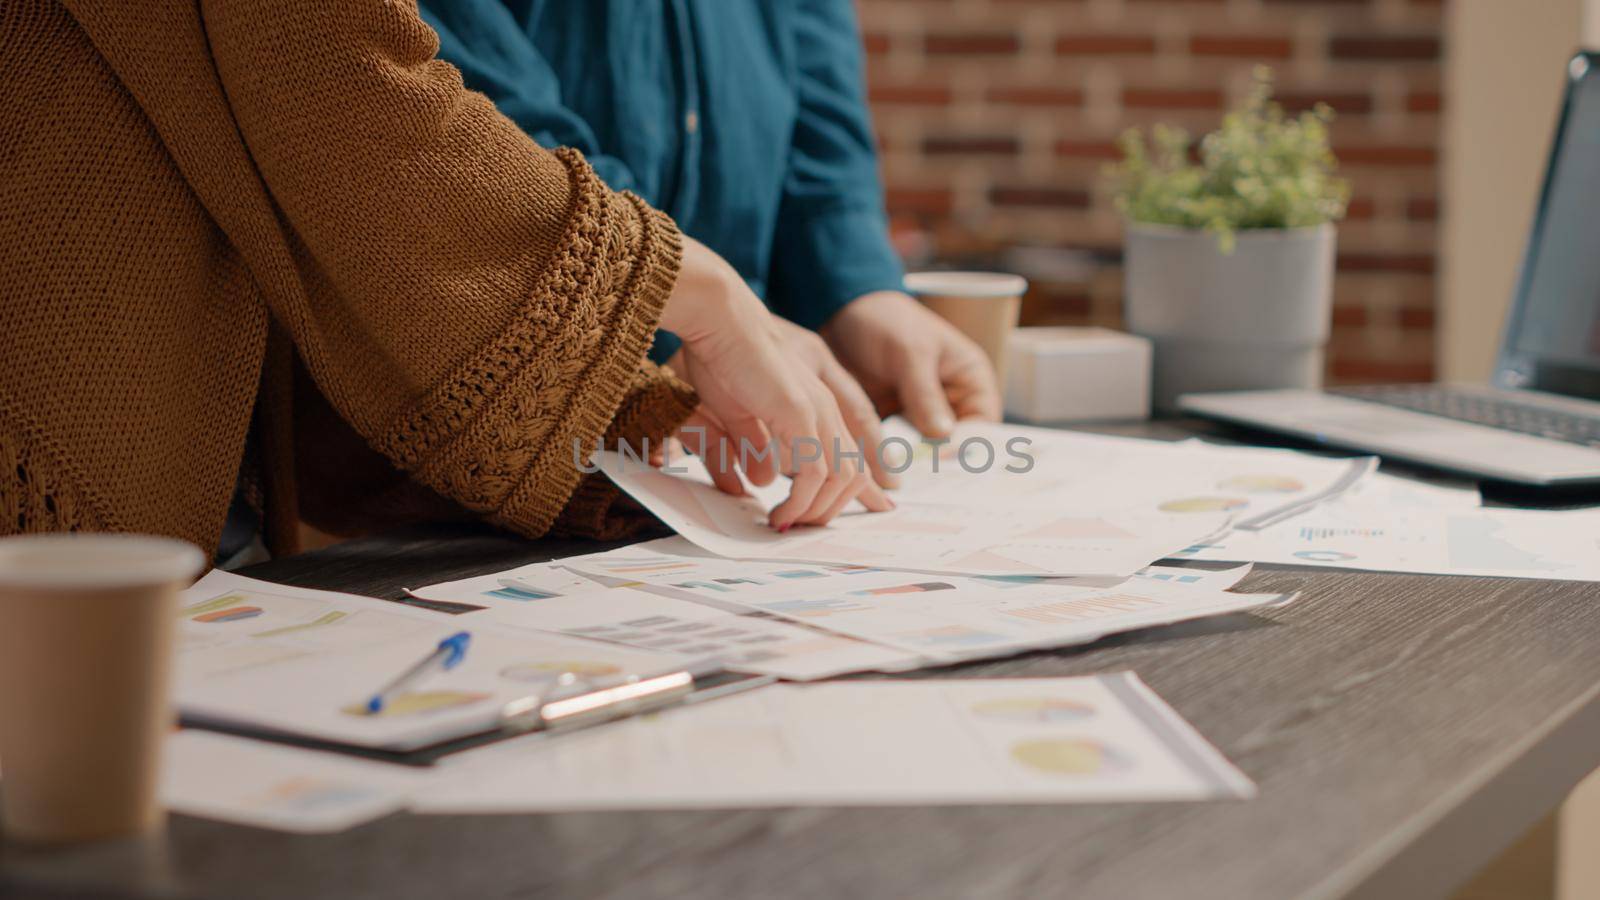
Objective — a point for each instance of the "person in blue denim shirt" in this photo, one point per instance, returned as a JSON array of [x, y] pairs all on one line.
[[746, 121]]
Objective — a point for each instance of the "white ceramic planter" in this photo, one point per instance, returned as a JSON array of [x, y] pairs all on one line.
[[1255, 318]]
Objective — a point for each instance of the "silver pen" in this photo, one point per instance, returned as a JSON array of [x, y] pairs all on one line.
[[636, 694]]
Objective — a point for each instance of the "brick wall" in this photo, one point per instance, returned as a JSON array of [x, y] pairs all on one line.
[[996, 118]]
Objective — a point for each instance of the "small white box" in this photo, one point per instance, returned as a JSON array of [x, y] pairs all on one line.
[[1077, 375]]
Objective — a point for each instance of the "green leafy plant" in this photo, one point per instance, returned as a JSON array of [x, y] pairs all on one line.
[[1261, 169]]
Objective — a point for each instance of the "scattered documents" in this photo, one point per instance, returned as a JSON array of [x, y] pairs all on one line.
[[802, 622], [1505, 543], [947, 620], [741, 641], [860, 743], [1049, 503], [267, 656]]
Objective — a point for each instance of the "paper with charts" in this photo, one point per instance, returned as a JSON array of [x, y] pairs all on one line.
[[263, 655], [1080, 505], [1505, 543], [861, 743], [274, 786], [802, 622]]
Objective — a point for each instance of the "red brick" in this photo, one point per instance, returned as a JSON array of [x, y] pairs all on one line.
[[1349, 316], [1055, 304], [971, 44], [1415, 263], [1380, 370], [910, 94], [1346, 103], [1360, 209], [1072, 198], [1241, 46], [1036, 96], [1424, 102], [1386, 155], [924, 201], [1422, 209], [1416, 319], [1156, 98], [1088, 149], [1217, 36], [1414, 48], [1105, 45], [990, 145]]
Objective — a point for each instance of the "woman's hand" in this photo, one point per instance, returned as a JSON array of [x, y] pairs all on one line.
[[810, 350], [754, 395], [907, 358]]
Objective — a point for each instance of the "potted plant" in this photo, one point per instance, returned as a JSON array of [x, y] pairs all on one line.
[[1230, 247]]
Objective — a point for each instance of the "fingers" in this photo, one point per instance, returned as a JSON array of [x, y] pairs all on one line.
[[923, 397], [845, 474], [807, 479], [861, 418], [705, 437], [751, 445], [970, 383], [874, 498]]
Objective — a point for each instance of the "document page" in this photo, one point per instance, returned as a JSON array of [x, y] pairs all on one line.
[[653, 596], [861, 743], [1006, 500], [235, 779], [261, 655], [1505, 543]]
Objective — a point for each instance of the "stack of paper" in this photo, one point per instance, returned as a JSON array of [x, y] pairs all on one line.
[[1032, 740], [1005, 500], [1384, 523], [803, 622], [1507, 543], [1026, 740], [250, 782], [278, 658]]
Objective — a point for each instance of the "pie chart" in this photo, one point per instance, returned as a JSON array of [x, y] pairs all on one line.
[[1068, 756], [1033, 709], [1204, 504]]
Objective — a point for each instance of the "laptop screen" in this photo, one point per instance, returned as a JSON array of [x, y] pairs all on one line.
[[1552, 342]]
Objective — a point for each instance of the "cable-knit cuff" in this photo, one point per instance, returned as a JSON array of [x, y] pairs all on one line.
[[653, 410], [501, 435]]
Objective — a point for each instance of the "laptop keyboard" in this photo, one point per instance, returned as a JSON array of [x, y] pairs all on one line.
[[1495, 412]]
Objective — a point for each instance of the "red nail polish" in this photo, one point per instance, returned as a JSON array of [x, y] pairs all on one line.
[[784, 528]]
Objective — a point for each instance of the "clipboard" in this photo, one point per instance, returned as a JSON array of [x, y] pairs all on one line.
[[536, 714]]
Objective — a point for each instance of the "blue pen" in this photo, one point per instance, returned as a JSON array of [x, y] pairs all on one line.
[[450, 651]]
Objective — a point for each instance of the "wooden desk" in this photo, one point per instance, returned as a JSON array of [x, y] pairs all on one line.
[[1403, 729]]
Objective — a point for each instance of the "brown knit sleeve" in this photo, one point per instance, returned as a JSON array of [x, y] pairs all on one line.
[[472, 304], [657, 403]]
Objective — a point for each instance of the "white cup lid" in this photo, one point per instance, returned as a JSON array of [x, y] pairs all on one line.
[[92, 561], [966, 284]]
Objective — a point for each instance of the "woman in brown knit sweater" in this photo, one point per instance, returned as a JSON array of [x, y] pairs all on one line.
[[240, 240]]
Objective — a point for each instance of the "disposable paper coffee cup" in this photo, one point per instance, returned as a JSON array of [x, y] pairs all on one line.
[[86, 626], [982, 305]]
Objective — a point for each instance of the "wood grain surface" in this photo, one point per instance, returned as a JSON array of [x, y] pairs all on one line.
[[1401, 728]]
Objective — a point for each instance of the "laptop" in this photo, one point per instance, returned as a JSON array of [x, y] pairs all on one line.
[[1538, 422]]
